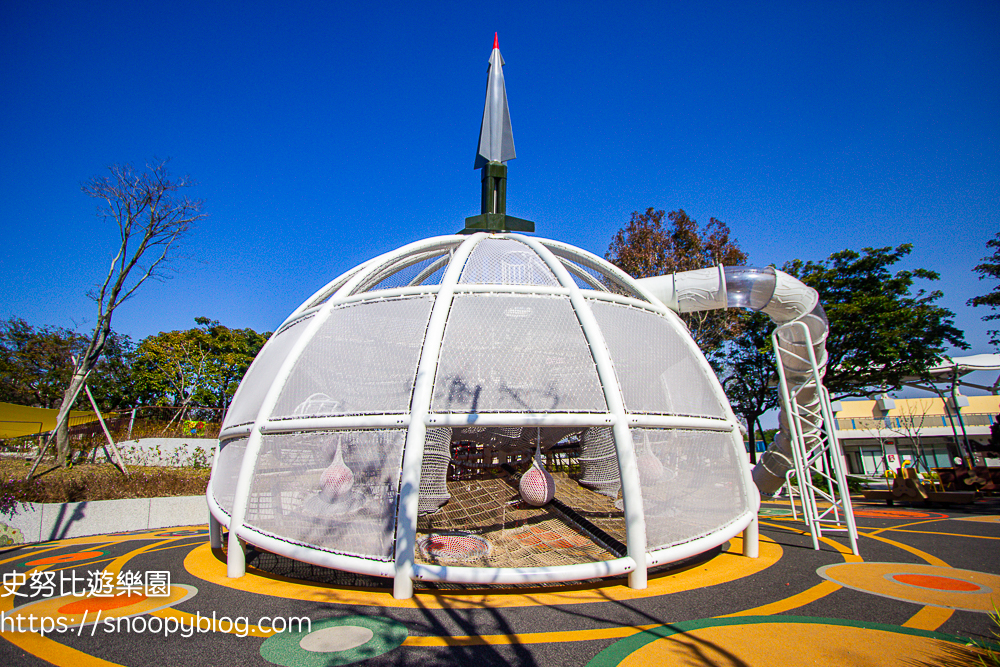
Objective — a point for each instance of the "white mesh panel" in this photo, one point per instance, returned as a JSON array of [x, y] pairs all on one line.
[[434, 470], [362, 360], [599, 462], [506, 262], [657, 370], [260, 376], [578, 264], [515, 353], [406, 270], [332, 289], [583, 279], [227, 472], [691, 483], [287, 498]]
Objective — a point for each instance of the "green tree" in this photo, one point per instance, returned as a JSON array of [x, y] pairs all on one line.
[[199, 367], [647, 246], [880, 332], [36, 363], [112, 381], [231, 353], [990, 268], [748, 369]]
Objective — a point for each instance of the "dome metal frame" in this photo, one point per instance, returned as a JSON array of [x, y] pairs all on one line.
[[583, 279]]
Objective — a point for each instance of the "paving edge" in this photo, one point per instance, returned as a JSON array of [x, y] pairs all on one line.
[[43, 522]]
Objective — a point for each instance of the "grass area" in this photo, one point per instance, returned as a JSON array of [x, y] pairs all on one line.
[[95, 482]]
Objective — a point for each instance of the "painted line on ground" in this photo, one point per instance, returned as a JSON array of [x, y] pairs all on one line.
[[807, 596], [928, 532], [904, 525], [929, 618], [529, 637], [926, 618], [931, 560], [918, 584], [22, 555]]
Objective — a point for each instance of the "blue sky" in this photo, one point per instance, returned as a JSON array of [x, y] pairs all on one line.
[[322, 135]]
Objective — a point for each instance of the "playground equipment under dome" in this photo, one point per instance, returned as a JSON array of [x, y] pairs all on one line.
[[496, 408]]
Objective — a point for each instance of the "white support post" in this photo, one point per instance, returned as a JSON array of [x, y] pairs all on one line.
[[413, 449], [840, 473], [214, 532], [791, 497], [214, 527], [751, 539]]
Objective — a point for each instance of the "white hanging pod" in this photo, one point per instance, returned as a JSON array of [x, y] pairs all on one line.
[[337, 480], [537, 486], [650, 467]]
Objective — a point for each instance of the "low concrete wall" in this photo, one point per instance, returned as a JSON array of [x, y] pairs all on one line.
[[42, 522]]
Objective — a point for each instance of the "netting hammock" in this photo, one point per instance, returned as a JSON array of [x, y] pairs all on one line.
[[485, 408]]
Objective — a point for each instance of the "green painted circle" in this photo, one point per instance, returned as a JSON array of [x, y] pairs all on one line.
[[773, 511], [284, 649]]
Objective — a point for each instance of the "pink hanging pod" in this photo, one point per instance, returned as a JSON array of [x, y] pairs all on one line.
[[537, 486], [337, 480]]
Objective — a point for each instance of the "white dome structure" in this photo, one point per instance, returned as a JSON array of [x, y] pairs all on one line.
[[385, 427]]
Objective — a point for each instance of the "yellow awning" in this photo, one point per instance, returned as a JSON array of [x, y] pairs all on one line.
[[18, 420]]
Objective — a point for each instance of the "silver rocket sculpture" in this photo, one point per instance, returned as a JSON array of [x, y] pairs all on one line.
[[496, 139], [496, 146]]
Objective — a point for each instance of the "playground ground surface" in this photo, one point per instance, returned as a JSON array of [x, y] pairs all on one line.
[[922, 589]]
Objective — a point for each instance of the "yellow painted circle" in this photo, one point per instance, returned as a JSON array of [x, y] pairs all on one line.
[[916, 583]]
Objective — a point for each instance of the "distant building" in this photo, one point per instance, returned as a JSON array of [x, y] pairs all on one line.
[[893, 431]]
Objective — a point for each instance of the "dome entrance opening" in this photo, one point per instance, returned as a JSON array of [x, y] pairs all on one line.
[[471, 487]]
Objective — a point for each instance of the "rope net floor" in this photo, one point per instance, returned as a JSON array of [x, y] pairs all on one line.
[[486, 524]]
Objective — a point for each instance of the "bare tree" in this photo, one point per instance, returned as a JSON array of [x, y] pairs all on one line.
[[152, 213], [880, 426], [910, 423]]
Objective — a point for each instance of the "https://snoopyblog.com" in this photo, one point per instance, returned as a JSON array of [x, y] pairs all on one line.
[[113, 586], [167, 626]]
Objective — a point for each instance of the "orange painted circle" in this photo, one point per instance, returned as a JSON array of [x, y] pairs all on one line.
[[66, 558], [936, 583], [938, 586], [101, 604]]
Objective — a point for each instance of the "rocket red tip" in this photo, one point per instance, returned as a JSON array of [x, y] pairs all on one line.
[[496, 42]]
